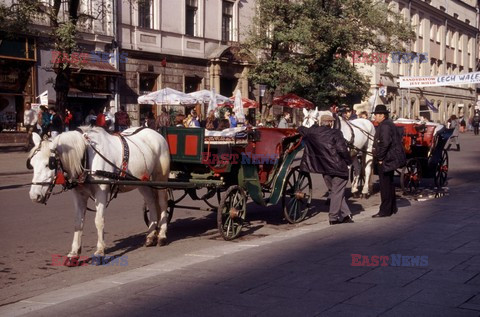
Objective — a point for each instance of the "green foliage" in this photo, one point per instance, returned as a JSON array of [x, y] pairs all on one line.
[[298, 44]]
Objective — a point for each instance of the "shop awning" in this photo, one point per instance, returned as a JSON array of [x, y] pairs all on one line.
[[77, 93], [94, 66]]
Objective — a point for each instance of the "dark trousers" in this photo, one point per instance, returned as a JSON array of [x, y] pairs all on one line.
[[387, 192], [475, 129], [338, 205]]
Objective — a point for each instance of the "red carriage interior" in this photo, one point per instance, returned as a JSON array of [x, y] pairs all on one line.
[[415, 134]]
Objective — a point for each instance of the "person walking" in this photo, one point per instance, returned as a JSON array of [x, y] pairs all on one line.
[[476, 122], [326, 153], [283, 123], [122, 120], [455, 125], [389, 155], [56, 122], [44, 120], [30, 124]]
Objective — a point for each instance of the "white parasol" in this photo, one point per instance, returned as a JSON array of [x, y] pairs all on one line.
[[212, 104], [206, 95], [167, 96], [238, 106]]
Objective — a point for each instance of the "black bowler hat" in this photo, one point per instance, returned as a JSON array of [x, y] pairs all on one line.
[[381, 109]]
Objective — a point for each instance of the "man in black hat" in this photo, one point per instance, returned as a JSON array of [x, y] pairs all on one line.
[[389, 155]]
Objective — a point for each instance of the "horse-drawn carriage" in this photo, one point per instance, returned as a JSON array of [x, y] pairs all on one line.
[[229, 166], [424, 145], [235, 164]]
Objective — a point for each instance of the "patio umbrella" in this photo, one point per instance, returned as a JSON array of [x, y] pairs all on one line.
[[247, 103], [292, 101], [206, 95], [238, 106], [167, 96]]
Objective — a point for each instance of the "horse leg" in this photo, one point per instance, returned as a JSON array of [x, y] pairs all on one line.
[[356, 175], [163, 206], [80, 204], [150, 197], [368, 175], [100, 205]]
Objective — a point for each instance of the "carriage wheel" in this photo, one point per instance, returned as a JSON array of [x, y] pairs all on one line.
[[231, 212], [297, 195], [410, 176], [441, 171], [171, 207]]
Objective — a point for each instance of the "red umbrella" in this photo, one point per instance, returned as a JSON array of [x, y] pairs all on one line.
[[292, 101], [247, 103]]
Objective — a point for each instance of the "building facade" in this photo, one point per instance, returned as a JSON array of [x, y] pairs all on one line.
[[28, 64], [446, 43], [186, 45]]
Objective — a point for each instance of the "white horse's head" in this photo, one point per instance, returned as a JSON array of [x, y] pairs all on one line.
[[310, 117], [43, 175]]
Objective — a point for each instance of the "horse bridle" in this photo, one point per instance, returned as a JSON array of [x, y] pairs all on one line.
[[54, 163]]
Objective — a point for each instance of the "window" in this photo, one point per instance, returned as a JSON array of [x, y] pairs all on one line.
[[148, 83], [145, 14], [433, 31], [192, 84], [191, 18], [449, 35], [227, 21]]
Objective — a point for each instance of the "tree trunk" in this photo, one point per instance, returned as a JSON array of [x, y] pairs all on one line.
[[62, 86]]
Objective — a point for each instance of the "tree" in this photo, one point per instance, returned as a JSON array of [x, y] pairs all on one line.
[[298, 45], [63, 18]]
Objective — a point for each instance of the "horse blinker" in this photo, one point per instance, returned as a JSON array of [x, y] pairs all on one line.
[[52, 162]]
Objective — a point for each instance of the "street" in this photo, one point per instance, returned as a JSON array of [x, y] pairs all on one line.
[[271, 264]]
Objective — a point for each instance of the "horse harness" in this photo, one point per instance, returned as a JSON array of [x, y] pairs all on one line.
[[54, 163]]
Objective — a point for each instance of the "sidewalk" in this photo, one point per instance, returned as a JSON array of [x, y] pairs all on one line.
[[304, 272]]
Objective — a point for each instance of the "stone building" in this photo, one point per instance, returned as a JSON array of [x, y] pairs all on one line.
[[27, 63], [446, 43], [186, 45]]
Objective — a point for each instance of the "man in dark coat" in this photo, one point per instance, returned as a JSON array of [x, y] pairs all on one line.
[[389, 155], [326, 153]]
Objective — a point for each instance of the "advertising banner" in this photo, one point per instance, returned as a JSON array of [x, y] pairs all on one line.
[[447, 80]]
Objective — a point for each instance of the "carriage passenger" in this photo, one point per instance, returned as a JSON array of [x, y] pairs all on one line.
[[211, 123]]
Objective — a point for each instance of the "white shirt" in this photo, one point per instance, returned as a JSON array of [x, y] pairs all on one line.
[[29, 117]]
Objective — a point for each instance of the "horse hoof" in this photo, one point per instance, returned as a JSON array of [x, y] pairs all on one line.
[[356, 195], [162, 242], [365, 196], [71, 261], [150, 242]]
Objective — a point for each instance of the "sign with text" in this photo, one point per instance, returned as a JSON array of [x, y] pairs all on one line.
[[447, 80]]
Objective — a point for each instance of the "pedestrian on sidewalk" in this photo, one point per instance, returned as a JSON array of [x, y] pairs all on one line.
[[30, 124], [389, 155], [476, 122], [56, 122], [326, 153], [122, 120], [455, 125]]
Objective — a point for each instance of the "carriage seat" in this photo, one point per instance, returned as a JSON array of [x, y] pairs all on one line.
[[231, 136]]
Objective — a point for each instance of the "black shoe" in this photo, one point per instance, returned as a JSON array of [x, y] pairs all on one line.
[[380, 215], [335, 222], [348, 219], [395, 211]]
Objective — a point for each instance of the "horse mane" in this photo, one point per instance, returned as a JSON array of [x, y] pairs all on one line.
[[71, 147]]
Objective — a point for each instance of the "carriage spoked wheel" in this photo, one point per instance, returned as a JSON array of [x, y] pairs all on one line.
[[231, 212], [297, 195], [441, 171], [171, 206], [410, 176]]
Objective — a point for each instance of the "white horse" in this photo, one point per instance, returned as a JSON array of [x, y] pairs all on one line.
[[71, 153], [359, 135]]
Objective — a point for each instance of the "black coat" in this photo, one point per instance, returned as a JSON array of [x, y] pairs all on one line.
[[388, 147], [325, 151]]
